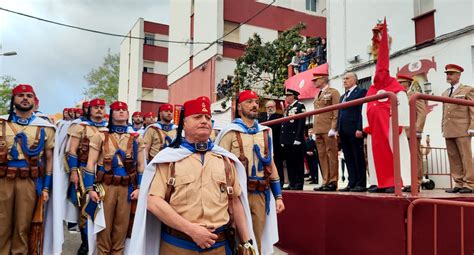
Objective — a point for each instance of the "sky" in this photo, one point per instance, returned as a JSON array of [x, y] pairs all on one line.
[[55, 59]]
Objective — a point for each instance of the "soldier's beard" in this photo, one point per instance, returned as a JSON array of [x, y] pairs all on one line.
[[250, 115], [20, 108]]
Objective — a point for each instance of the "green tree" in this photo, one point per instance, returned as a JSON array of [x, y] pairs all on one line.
[[103, 81], [6, 85], [265, 65]]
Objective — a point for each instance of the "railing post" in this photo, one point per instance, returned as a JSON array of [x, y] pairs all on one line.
[[413, 146], [395, 143]]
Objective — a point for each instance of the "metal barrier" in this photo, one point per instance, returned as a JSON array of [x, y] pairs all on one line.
[[395, 135], [413, 138], [436, 162], [435, 203]]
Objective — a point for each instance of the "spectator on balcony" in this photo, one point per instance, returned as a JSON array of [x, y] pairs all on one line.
[[458, 129], [321, 52], [312, 63], [295, 62], [221, 89]]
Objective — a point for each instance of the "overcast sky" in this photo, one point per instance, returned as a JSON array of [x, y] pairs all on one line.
[[55, 59]]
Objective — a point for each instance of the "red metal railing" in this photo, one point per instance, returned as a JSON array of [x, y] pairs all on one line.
[[436, 162], [413, 139], [395, 135], [435, 203]]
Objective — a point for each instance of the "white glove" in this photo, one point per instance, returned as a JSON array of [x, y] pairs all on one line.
[[419, 134], [296, 142], [332, 132], [470, 131]]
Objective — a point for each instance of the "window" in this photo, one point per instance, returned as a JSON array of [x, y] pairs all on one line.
[[149, 39], [148, 66], [365, 82], [148, 69], [311, 5]]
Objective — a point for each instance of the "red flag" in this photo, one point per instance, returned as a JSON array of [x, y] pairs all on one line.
[[303, 83]]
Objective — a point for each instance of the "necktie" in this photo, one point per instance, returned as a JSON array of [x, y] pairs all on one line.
[[451, 91], [320, 92], [346, 95]]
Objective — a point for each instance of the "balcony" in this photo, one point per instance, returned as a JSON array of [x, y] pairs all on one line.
[[155, 81]]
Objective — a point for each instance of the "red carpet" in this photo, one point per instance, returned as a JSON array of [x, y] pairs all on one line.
[[342, 223]]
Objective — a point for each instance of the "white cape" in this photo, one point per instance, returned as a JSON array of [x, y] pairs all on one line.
[[146, 234], [403, 121], [270, 231]]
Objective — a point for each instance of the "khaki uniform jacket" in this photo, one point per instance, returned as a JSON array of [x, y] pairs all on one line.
[[328, 120], [30, 132], [420, 112], [198, 195], [458, 119], [97, 141]]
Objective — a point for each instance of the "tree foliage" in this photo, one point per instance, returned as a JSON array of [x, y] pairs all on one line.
[[264, 66], [6, 85], [103, 81]]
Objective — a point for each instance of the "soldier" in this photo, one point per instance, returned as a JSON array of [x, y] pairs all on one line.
[[406, 82], [85, 110], [458, 128], [247, 139], [137, 123], [292, 141], [324, 126], [159, 135], [79, 137], [197, 190], [120, 162], [26, 154], [148, 119]]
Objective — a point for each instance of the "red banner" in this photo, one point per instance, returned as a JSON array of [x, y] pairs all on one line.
[[303, 83]]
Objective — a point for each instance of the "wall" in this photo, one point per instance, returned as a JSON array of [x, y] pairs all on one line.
[[180, 12], [197, 83], [131, 67]]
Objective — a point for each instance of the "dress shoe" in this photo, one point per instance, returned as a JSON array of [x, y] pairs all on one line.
[[453, 190], [330, 187], [286, 188], [314, 181], [320, 188], [406, 189], [358, 189], [465, 190], [390, 190], [372, 188], [297, 187], [346, 189]]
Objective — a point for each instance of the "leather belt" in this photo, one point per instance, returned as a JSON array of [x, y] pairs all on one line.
[[221, 236]]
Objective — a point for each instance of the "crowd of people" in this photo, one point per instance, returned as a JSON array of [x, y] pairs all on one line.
[[311, 57], [184, 187]]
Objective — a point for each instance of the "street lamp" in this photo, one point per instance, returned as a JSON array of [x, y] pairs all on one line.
[[10, 53]]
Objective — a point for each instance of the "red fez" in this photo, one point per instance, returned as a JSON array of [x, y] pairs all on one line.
[[117, 105], [165, 107], [137, 114], [66, 110], [452, 68], [401, 77], [200, 105], [78, 110], [97, 102], [71, 110], [246, 95], [23, 88], [85, 104], [149, 115]]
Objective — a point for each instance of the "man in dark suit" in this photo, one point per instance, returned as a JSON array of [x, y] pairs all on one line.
[[271, 114], [292, 140], [349, 128]]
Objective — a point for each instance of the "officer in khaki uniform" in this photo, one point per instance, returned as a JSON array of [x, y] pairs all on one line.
[[120, 163], [80, 135], [324, 127], [240, 139], [196, 195], [406, 82], [458, 128], [159, 135], [26, 141]]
